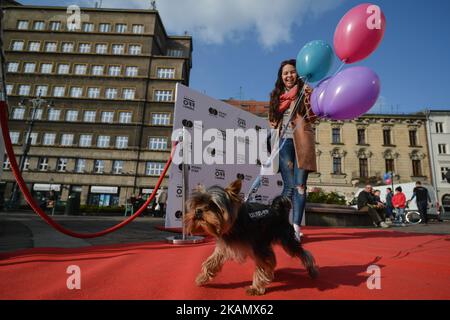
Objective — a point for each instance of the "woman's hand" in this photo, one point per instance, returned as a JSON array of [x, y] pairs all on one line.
[[273, 124]]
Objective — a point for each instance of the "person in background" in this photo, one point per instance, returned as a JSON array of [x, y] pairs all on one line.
[[162, 199], [389, 206], [367, 204], [423, 200], [399, 203], [380, 205]]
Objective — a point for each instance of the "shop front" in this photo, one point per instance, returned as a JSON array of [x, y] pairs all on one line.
[[102, 196]]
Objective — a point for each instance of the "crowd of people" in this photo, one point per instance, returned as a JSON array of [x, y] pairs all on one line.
[[392, 211]]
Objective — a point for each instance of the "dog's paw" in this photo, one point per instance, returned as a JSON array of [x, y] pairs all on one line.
[[251, 291], [202, 279]]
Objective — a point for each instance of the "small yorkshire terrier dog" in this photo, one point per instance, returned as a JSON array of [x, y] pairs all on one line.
[[244, 229]]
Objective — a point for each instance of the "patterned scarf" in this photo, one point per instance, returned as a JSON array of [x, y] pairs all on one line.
[[287, 98]]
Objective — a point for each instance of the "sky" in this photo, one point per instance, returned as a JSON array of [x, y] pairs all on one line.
[[239, 44]]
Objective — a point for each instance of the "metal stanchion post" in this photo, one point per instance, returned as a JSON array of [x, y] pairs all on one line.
[[184, 238]]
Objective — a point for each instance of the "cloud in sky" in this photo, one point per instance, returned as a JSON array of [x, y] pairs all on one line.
[[217, 21]]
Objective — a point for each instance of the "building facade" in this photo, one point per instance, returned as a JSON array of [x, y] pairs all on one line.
[[439, 145], [107, 79], [353, 153]]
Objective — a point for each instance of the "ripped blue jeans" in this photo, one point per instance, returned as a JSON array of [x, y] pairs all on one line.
[[294, 180]]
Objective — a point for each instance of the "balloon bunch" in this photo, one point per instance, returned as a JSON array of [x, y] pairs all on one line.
[[388, 178], [354, 91]]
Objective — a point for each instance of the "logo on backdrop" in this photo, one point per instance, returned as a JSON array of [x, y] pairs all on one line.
[[242, 123], [220, 174], [188, 103]]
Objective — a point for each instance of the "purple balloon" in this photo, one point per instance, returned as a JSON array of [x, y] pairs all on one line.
[[351, 93], [317, 97]]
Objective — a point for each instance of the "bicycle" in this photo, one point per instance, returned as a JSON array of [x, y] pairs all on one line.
[[412, 216]]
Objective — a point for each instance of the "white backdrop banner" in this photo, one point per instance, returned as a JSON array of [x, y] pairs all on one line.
[[198, 113]]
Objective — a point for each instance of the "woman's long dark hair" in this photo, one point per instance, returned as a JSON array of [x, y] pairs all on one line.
[[274, 114]]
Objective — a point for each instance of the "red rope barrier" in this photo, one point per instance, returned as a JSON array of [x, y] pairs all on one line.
[[35, 206]]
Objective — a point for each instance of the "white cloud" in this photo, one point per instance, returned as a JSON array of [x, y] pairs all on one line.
[[216, 21]]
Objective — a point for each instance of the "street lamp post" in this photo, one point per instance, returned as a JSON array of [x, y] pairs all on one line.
[[36, 104]]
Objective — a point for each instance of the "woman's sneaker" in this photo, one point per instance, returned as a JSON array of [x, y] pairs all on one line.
[[384, 225]]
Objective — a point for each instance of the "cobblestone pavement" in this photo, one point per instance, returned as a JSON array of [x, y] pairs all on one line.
[[21, 230]]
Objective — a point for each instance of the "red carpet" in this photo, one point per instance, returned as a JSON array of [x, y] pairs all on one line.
[[412, 266]]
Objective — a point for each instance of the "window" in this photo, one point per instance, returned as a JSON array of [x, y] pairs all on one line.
[[67, 139], [163, 95], [94, 93], [175, 53], [442, 148], [444, 173], [67, 47], [88, 27], [97, 70], [85, 48], [361, 136], [55, 25], [89, 116], [6, 163], [154, 168], [26, 164], [39, 25], [33, 137], [41, 91], [413, 138], [166, 73], [34, 46], [387, 137], [29, 67], [131, 71], [390, 167], [439, 127], [62, 164], [43, 164], [22, 24], [63, 69], [38, 114], [103, 141], [46, 68], [125, 117], [59, 91], [76, 92], [80, 69], [9, 89], [80, 165], [138, 28], [135, 50], [14, 136], [417, 168], [18, 113], [72, 115], [85, 140], [129, 94], [17, 45], [115, 71], [117, 167], [99, 166], [54, 114], [161, 119], [24, 90], [121, 142], [157, 143], [336, 135], [13, 67], [337, 165], [101, 48], [104, 27], [50, 47], [363, 168], [118, 49], [107, 117], [49, 139], [111, 93], [121, 28]]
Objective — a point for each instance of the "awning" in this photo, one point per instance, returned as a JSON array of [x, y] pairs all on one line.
[[46, 187], [101, 189]]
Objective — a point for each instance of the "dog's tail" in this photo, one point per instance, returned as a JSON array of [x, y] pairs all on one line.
[[309, 262]]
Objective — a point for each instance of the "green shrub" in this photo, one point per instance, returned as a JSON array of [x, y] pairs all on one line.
[[320, 196]]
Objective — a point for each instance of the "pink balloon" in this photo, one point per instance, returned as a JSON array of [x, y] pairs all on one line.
[[388, 181], [359, 33]]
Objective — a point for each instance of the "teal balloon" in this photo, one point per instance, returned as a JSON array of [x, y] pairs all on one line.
[[315, 60]]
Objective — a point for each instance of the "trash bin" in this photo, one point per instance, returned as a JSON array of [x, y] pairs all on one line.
[[73, 205]]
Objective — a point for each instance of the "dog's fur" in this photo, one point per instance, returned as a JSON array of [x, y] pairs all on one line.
[[240, 233]]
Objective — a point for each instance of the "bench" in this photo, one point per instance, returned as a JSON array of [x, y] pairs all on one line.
[[331, 215]]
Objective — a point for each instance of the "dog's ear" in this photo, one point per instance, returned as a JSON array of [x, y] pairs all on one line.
[[235, 187]]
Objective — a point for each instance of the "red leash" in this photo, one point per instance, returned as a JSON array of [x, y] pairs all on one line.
[[35, 206]]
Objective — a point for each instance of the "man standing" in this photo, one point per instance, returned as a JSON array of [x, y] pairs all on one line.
[[162, 199], [367, 204], [389, 206], [423, 199]]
